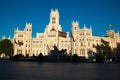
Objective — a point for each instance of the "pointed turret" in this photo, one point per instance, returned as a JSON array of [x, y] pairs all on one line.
[[84, 26], [54, 16], [75, 24], [17, 29], [91, 27]]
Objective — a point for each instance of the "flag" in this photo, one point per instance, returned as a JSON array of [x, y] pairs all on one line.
[[62, 34]]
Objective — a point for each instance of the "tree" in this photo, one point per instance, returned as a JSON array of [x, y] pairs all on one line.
[[104, 51], [63, 52], [18, 57], [75, 58], [54, 52], [6, 47], [117, 50], [40, 57]]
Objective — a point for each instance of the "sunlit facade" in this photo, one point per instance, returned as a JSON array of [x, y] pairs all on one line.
[[80, 43], [84, 40]]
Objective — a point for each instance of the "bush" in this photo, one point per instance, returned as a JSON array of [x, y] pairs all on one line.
[[18, 57], [41, 57], [75, 58], [99, 58]]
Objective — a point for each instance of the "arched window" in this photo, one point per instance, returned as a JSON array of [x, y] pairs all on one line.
[[53, 20], [83, 52], [75, 28], [52, 30]]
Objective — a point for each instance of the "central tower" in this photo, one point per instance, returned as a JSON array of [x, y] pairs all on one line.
[[51, 30], [54, 22], [54, 17]]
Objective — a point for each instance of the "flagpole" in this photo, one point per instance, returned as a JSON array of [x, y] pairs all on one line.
[[110, 26], [60, 34]]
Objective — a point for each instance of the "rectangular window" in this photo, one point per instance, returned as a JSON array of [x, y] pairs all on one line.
[[75, 28], [29, 45], [53, 22], [20, 35], [25, 51], [41, 36], [51, 35], [53, 18]]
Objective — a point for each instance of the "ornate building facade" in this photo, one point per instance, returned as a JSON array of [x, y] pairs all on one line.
[[80, 43]]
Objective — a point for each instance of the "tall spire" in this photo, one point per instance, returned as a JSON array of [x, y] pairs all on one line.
[[17, 29], [84, 26], [90, 26], [56, 9], [51, 9]]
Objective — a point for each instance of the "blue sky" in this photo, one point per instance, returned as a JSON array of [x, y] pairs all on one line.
[[98, 13]]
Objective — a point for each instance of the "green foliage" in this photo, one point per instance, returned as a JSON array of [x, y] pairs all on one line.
[[18, 57], [118, 49], [40, 57], [99, 58], [6, 47], [104, 50], [75, 58]]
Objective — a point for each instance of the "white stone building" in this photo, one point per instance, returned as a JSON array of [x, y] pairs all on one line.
[[80, 43]]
